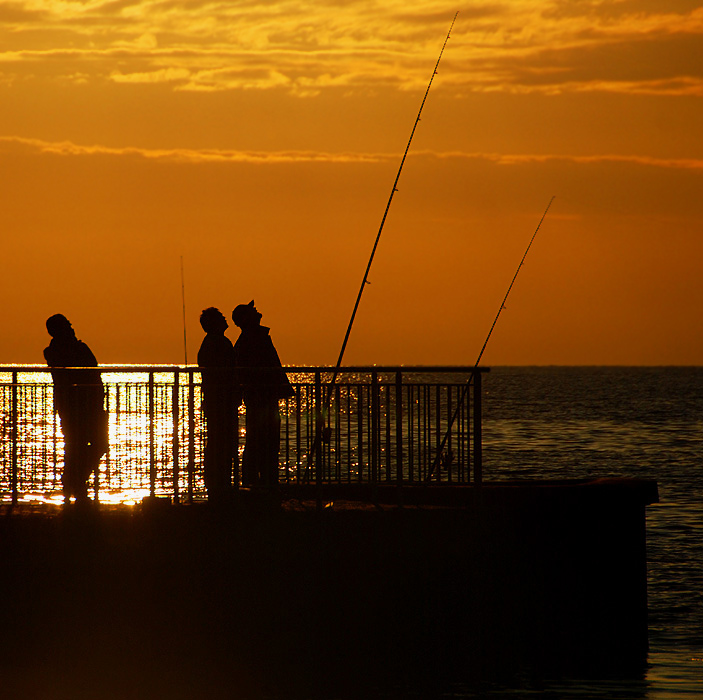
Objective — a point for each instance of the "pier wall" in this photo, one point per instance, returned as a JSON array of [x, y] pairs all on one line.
[[189, 601]]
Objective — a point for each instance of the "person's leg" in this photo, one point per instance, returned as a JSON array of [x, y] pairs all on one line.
[[271, 443], [219, 450], [71, 458], [249, 472]]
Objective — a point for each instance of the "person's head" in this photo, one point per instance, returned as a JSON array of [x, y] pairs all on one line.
[[246, 315], [59, 327], [211, 319]]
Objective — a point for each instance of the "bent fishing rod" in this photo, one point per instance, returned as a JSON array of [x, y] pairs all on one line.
[[394, 189], [365, 279], [460, 403]]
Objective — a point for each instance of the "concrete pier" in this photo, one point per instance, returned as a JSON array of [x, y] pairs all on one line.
[[376, 588]]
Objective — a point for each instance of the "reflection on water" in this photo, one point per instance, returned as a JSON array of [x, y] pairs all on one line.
[[554, 423]]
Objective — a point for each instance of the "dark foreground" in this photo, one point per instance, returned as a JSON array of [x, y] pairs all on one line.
[[284, 599]]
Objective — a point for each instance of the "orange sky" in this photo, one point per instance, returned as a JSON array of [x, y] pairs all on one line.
[[260, 141]]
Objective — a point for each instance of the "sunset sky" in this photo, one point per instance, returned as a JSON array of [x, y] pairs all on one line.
[[259, 140]]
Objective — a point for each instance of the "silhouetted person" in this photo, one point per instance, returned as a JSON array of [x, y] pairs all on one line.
[[263, 382], [78, 399], [221, 400]]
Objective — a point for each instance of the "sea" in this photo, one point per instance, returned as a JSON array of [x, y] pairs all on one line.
[[635, 422], [554, 423]]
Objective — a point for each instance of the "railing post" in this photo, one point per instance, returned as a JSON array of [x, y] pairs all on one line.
[[191, 435], [107, 452], [152, 455], [236, 469], [360, 431], [319, 427], [448, 452], [374, 427], [438, 428], [399, 427], [175, 410], [318, 442], [15, 435], [298, 432], [96, 471], [478, 435]]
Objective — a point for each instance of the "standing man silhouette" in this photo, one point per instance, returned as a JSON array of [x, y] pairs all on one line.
[[264, 383], [220, 404], [78, 399]]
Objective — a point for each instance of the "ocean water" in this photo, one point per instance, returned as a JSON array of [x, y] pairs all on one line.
[[589, 422]]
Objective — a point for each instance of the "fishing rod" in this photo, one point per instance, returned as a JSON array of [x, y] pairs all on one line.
[[183, 299], [394, 189], [460, 403], [364, 281]]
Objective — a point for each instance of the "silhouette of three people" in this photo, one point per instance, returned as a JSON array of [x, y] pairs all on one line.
[[249, 371], [78, 399]]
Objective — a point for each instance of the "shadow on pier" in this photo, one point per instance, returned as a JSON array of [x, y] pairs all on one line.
[[271, 599]]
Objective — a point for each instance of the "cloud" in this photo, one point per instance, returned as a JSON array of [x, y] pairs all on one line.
[[518, 159], [655, 64], [16, 13], [67, 148], [164, 75], [632, 46]]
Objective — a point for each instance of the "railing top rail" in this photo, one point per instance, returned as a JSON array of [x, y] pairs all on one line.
[[408, 369]]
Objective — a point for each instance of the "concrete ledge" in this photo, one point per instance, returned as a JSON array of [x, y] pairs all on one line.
[[194, 601]]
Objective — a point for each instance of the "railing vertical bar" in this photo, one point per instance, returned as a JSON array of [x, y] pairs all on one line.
[[450, 455], [338, 433], [318, 425], [118, 472], [108, 452], [298, 431], [360, 431], [478, 434], [422, 438], [427, 426], [349, 432], [286, 459], [176, 442], [411, 432], [236, 467], [28, 395], [309, 420], [152, 455], [191, 435], [15, 435], [96, 481], [389, 416], [438, 426], [399, 428], [373, 427], [461, 438], [466, 413]]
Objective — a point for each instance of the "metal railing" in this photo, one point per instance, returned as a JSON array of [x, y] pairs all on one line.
[[384, 425]]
